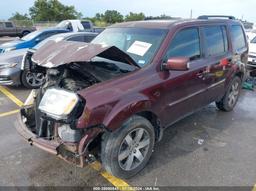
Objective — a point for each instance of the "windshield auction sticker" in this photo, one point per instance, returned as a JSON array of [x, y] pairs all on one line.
[[139, 48]]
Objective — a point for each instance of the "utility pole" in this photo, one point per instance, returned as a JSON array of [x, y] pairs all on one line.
[[191, 13]]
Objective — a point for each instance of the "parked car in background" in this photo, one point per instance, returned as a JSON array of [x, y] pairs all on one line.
[[122, 90], [252, 54], [251, 34], [9, 28], [30, 40], [13, 65], [79, 25]]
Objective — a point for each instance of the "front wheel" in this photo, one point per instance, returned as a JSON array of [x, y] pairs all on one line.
[[32, 80], [126, 151], [228, 102]]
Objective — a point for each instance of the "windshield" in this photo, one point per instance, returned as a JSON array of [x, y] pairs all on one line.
[[63, 24], [30, 36], [140, 44]]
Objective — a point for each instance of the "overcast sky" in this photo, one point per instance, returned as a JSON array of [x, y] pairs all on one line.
[[177, 8]]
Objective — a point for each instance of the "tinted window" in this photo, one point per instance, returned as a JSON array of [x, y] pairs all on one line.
[[186, 43], [216, 40], [86, 24], [238, 37], [88, 38], [76, 38], [8, 25]]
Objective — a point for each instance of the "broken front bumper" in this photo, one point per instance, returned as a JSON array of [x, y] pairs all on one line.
[[76, 153]]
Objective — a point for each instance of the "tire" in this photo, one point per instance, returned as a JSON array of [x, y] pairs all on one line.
[[24, 33], [115, 143], [31, 80], [229, 100]]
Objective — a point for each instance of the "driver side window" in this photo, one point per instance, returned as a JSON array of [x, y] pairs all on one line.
[[186, 43]]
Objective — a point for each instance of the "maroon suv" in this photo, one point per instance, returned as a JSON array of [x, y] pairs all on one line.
[[113, 98]]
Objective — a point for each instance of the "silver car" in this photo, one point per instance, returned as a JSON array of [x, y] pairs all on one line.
[[14, 72]]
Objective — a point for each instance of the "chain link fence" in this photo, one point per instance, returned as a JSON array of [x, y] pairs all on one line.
[[38, 24]]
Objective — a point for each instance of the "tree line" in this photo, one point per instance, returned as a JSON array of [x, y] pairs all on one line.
[[54, 10]]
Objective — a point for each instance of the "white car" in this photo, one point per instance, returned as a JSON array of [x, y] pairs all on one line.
[[252, 53], [250, 35]]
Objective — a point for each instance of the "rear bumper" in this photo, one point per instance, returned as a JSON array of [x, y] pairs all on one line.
[[75, 153]]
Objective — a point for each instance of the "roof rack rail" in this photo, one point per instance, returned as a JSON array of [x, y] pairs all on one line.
[[216, 16]]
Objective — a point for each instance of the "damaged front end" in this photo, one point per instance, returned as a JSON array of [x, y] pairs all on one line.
[[59, 137], [49, 121]]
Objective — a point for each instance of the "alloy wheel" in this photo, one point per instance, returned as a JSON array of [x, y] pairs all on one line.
[[233, 94], [34, 79], [133, 149]]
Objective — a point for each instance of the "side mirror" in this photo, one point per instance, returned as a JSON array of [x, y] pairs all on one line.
[[176, 63]]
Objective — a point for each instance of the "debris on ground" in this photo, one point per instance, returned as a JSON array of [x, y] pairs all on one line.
[[248, 85], [200, 141], [250, 82]]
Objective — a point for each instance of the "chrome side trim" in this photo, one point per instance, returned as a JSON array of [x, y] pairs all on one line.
[[216, 84], [196, 93], [187, 97]]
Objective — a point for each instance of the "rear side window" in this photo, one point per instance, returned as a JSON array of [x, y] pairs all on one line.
[[238, 37], [8, 25], [86, 24], [88, 38], [186, 43], [77, 38], [216, 40], [252, 41]]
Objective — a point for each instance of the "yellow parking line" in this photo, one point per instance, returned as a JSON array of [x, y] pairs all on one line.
[[6, 92], [254, 188], [9, 113], [117, 182]]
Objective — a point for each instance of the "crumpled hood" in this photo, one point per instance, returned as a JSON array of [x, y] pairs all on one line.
[[13, 56], [54, 54]]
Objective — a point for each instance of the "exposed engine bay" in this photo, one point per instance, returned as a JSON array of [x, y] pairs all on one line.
[[77, 76]]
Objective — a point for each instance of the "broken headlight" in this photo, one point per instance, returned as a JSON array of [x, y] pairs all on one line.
[[58, 103]]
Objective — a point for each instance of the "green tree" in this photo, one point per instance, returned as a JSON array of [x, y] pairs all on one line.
[[135, 17], [21, 19], [52, 10], [17, 16], [113, 16]]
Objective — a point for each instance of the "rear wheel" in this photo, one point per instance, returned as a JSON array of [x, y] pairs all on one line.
[[228, 102], [32, 80], [24, 33], [126, 151]]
